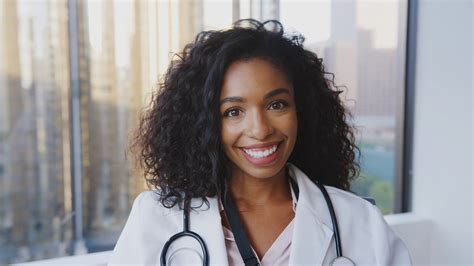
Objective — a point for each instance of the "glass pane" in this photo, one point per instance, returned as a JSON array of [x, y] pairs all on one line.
[[35, 199], [130, 44], [363, 44], [113, 82]]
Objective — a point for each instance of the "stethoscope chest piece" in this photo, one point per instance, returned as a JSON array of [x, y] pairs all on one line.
[[342, 261]]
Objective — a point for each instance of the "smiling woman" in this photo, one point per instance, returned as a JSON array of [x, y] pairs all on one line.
[[247, 139]]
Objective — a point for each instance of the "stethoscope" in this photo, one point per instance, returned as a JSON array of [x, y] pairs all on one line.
[[241, 239]]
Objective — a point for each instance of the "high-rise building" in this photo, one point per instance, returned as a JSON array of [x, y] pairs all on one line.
[[36, 130], [11, 103], [378, 78], [341, 50], [104, 173]]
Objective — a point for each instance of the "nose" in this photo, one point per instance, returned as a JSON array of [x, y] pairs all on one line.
[[259, 126]]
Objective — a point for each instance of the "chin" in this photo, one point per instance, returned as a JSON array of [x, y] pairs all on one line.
[[261, 172]]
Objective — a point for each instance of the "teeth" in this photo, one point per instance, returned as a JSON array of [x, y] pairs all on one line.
[[260, 153]]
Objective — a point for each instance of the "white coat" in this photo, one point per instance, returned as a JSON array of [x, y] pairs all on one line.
[[365, 236]]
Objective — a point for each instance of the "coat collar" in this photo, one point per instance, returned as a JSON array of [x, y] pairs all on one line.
[[312, 233]]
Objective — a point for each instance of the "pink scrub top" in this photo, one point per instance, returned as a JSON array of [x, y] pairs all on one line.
[[277, 254]]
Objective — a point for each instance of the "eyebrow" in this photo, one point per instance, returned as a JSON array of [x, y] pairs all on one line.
[[266, 97]]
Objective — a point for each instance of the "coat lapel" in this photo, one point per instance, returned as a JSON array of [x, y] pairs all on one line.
[[207, 223], [312, 234]]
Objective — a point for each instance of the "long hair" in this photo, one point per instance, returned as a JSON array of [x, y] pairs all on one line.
[[178, 140]]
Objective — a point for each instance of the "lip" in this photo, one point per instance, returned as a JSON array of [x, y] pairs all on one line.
[[265, 160]]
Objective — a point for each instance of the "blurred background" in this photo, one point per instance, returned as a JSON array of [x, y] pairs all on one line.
[[75, 74]]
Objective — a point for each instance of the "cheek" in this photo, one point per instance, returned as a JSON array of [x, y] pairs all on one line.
[[228, 136], [291, 126], [291, 131]]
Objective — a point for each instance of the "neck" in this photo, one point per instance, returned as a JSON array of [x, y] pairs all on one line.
[[254, 193]]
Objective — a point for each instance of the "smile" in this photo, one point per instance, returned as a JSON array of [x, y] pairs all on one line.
[[262, 154], [259, 153]]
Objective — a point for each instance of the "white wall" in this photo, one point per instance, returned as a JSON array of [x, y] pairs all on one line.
[[443, 140]]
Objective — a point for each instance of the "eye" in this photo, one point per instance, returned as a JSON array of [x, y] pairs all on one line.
[[277, 105], [232, 113]]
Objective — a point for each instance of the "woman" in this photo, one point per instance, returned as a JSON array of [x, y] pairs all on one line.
[[244, 126]]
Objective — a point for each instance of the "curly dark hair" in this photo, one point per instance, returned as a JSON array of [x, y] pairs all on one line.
[[179, 140]]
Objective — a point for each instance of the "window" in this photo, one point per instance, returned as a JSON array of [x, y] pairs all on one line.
[[363, 44], [122, 49]]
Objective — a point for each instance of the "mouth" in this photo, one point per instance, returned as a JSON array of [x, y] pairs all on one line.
[[262, 155]]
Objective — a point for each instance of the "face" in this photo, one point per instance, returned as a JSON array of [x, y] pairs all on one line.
[[259, 123]]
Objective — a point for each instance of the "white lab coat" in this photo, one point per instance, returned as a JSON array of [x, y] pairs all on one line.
[[366, 238]]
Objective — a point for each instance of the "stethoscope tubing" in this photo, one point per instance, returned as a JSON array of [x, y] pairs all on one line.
[[205, 259], [184, 233], [205, 262], [332, 213]]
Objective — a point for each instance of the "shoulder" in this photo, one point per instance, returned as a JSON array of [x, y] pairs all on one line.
[[357, 210], [147, 199], [347, 205], [349, 199], [148, 205], [341, 199], [149, 222]]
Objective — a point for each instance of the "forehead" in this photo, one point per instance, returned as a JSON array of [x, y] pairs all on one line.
[[253, 78]]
